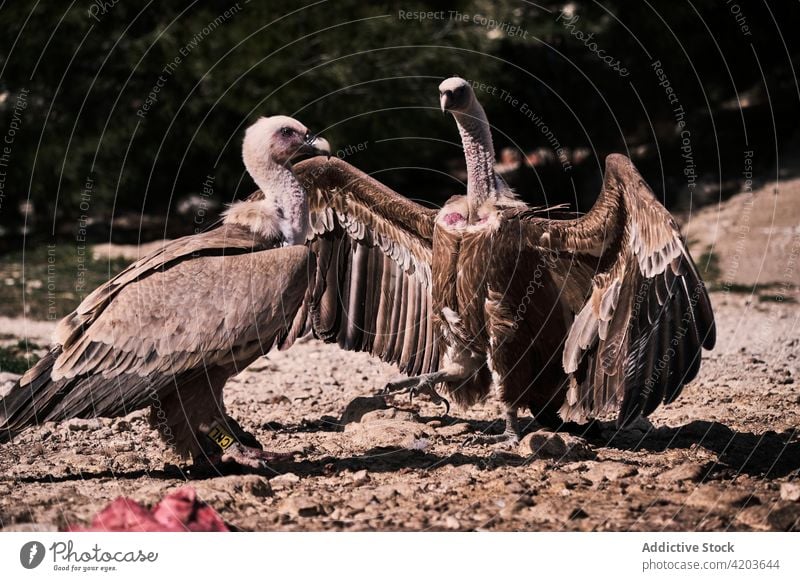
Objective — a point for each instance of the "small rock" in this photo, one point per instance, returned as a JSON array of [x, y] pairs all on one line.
[[458, 429], [755, 517], [284, 480], [790, 491], [388, 414], [78, 425], [300, 506], [388, 433], [122, 426], [360, 477], [711, 497], [452, 523], [682, 473], [563, 447], [610, 471], [235, 486], [356, 409], [254, 485], [123, 447]]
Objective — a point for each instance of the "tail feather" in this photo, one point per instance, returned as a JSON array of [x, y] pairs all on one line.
[[31, 398]]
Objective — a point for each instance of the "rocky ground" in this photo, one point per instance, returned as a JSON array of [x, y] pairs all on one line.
[[725, 456]]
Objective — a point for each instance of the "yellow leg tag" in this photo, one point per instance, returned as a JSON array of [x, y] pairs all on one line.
[[221, 437]]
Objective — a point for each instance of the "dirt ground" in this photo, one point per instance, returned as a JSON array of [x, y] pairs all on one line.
[[725, 456]]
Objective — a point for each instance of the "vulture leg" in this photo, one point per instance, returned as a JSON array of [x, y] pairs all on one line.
[[422, 384], [226, 441], [509, 437]]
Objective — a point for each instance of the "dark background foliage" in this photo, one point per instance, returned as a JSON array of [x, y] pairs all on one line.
[[358, 72]]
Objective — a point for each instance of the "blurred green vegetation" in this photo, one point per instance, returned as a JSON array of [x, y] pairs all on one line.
[[18, 357], [95, 141], [49, 281]]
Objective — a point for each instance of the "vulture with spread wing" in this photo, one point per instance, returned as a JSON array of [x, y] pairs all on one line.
[[169, 330], [605, 313]]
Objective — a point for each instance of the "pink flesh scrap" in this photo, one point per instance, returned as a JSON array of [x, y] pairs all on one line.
[[453, 218]]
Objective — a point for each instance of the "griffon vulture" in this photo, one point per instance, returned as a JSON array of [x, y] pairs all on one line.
[[169, 330], [605, 313]]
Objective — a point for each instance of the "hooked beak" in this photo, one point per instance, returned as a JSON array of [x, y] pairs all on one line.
[[313, 145], [446, 100]]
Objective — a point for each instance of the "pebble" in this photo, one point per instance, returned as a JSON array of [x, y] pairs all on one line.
[[458, 429], [388, 433], [235, 486], [360, 477], [300, 506], [78, 425], [790, 491], [123, 447], [284, 480], [755, 517], [563, 447], [360, 406], [711, 497], [609, 471], [682, 473], [388, 414], [452, 523]]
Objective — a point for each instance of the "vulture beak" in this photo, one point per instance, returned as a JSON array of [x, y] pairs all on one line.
[[313, 145], [446, 100]]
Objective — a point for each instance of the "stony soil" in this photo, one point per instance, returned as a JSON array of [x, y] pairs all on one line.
[[725, 456]]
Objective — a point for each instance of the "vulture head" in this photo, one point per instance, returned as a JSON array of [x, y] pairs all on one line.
[[455, 95], [279, 139]]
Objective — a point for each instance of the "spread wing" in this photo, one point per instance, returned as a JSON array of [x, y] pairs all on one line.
[[636, 341], [202, 302], [373, 282], [228, 239]]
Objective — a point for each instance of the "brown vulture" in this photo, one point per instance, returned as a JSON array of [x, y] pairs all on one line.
[[582, 317], [169, 330]]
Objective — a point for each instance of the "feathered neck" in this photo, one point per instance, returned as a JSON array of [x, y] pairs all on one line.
[[283, 210], [479, 153]]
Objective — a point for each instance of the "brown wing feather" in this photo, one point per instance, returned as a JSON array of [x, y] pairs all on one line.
[[636, 341], [227, 239], [373, 286], [162, 329]]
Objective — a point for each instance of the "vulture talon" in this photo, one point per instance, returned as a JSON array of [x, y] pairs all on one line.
[[228, 447], [253, 457], [504, 440], [509, 438], [422, 384]]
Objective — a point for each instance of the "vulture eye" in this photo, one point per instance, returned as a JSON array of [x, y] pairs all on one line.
[[286, 131]]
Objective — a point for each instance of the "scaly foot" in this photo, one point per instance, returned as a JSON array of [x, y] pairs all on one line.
[[509, 437], [420, 384], [223, 444]]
